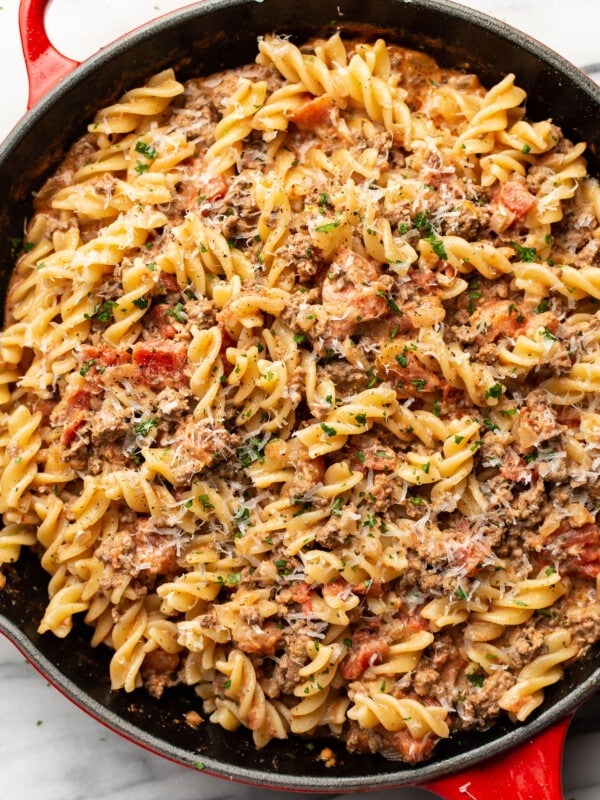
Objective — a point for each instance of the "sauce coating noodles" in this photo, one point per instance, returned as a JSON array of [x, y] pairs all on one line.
[[300, 377]]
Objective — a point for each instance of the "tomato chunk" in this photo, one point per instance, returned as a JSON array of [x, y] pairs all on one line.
[[366, 650], [69, 431], [211, 187], [313, 113], [516, 198], [160, 364], [104, 356], [168, 283], [79, 398], [579, 550]]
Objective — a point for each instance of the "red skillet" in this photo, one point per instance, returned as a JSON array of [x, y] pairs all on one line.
[[506, 763]]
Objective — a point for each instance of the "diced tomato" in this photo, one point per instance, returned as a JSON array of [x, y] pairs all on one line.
[[263, 642], [495, 318], [366, 650], [69, 431], [160, 661], [158, 321], [335, 588], [408, 375], [155, 553], [79, 398], [415, 622], [74, 416], [168, 283], [368, 588], [160, 363], [104, 356], [301, 592], [211, 187], [571, 417], [515, 197], [313, 113], [413, 750], [514, 468], [377, 457], [579, 550]]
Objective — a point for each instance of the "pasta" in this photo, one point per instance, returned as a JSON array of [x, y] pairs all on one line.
[[300, 375]]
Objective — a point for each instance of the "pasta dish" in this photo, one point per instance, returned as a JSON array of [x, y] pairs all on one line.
[[299, 396]]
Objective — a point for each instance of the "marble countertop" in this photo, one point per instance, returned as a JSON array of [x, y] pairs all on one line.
[[49, 749]]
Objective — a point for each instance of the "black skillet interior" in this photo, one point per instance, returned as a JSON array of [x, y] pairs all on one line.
[[200, 40]]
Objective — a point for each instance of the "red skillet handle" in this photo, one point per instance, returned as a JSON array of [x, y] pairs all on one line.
[[529, 772], [45, 65]]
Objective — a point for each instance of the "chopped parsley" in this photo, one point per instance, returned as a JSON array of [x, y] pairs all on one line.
[[328, 430], [437, 245], [548, 334], [336, 506], [475, 678], [422, 223], [374, 379], [328, 227], [252, 451], [86, 366], [494, 391], [143, 428], [102, 311], [513, 309], [490, 424], [391, 303], [527, 254], [146, 150], [242, 514], [177, 312], [204, 500]]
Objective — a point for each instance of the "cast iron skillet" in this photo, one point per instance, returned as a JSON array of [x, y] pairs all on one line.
[[199, 40]]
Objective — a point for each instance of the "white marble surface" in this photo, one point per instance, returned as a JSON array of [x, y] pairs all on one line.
[[50, 750]]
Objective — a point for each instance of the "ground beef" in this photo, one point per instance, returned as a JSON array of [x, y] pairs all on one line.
[[284, 676]]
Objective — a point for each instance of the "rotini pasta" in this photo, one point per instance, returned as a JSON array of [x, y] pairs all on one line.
[[298, 399]]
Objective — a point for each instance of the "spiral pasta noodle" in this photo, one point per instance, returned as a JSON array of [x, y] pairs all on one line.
[[298, 396]]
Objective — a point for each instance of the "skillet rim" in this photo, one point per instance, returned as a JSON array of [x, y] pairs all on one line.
[[422, 772]]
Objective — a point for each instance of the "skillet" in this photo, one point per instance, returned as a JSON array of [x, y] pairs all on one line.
[[201, 39]]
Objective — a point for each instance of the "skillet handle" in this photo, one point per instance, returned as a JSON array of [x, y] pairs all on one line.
[[44, 64], [529, 772]]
